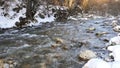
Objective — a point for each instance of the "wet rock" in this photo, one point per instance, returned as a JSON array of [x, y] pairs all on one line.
[[58, 56], [55, 45], [87, 54], [107, 23], [114, 23], [106, 40], [26, 66], [10, 62], [58, 40], [43, 65], [6, 65], [91, 29], [11, 66], [41, 15], [65, 47], [100, 34], [84, 43], [1, 63], [27, 57], [117, 28]]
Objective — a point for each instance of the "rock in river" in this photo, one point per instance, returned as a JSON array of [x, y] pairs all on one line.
[[117, 28], [87, 54]]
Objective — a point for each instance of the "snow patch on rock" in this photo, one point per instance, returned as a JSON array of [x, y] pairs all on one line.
[[100, 63], [115, 52], [117, 28], [115, 40]]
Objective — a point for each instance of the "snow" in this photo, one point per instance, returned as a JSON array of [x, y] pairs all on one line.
[[100, 63], [7, 22], [115, 40], [13, 17], [117, 28], [97, 63], [39, 20], [115, 52], [72, 18], [115, 64]]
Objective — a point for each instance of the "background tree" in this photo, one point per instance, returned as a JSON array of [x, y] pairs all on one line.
[[31, 8]]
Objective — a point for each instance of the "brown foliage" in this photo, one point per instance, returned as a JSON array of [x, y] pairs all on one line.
[[71, 4]]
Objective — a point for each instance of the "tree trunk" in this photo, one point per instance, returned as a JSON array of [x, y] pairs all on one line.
[[31, 9]]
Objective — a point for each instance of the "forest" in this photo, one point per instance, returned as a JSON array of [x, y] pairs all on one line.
[[59, 33]]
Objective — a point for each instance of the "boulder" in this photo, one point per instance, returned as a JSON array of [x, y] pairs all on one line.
[[87, 54]]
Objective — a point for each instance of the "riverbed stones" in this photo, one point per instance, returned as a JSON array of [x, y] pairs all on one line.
[[114, 23], [99, 34], [87, 54], [58, 40], [1, 63], [43, 65], [91, 29], [55, 45], [6, 65]]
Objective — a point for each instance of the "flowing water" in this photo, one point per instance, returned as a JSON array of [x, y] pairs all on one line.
[[32, 47]]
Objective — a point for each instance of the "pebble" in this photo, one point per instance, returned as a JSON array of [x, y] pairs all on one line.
[[100, 34], [43, 65], [11, 65], [87, 54], [59, 40], [10, 62], [91, 29], [1, 63], [65, 47]]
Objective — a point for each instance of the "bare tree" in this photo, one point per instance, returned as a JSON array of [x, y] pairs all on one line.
[[31, 8]]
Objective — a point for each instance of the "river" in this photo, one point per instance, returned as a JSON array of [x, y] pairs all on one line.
[[36, 46]]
